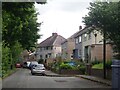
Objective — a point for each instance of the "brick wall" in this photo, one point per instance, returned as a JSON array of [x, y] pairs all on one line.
[[97, 51]]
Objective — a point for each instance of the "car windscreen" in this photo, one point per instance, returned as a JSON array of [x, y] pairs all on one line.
[[39, 66]]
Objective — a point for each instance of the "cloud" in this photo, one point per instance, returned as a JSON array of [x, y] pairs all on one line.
[[70, 6], [61, 16], [64, 5]]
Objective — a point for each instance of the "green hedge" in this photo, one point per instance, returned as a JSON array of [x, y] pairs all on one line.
[[65, 66], [9, 57]]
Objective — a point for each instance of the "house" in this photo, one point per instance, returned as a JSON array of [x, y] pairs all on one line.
[[67, 48], [50, 48], [89, 46]]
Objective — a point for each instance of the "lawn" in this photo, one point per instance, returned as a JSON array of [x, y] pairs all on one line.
[[98, 66]]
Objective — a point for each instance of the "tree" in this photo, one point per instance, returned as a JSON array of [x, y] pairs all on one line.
[[19, 31], [105, 17], [20, 24]]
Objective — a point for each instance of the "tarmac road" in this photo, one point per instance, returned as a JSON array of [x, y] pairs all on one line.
[[23, 79]]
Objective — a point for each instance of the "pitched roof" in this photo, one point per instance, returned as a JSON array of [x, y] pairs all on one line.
[[55, 39], [71, 37], [82, 31]]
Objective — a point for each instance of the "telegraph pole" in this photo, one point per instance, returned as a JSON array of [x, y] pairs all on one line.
[[104, 54]]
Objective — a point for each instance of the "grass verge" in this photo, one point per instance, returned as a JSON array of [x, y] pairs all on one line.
[[8, 73]]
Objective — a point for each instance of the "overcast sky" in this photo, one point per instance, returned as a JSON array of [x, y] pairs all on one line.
[[61, 16]]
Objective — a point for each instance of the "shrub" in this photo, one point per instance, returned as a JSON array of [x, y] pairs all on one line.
[[65, 66], [95, 62], [82, 68], [108, 64], [40, 61]]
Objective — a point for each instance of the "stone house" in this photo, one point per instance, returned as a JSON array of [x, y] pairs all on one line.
[[50, 48]]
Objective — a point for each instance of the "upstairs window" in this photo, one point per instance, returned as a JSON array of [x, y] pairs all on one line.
[[85, 37], [89, 36], [76, 40], [80, 39]]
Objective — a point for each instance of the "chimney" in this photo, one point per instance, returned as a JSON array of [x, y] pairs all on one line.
[[54, 34], [80, 27]]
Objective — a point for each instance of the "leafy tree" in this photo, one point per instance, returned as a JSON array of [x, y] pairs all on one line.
[[20, 24], [6, 58], [105, 17], [19, 31]]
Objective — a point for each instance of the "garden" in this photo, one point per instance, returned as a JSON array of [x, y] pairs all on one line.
[[74, 67], [68, 67], [97, 69]]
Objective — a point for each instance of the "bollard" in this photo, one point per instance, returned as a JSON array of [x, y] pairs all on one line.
[[116, 74]]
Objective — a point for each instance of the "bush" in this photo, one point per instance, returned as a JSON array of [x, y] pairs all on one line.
[[55, 66], [108, 64], [82, 68], [10, 56], [40, 61], [65, 66], [95, 62]]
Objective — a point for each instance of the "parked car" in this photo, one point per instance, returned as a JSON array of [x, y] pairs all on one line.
[[24, 65], [38, 69], [28, 63], [32, 63], [18, 65]]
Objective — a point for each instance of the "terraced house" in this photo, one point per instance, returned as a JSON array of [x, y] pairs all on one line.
[[50, 48], [89, 46]]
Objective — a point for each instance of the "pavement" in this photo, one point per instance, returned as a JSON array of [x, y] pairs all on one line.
[[96, 79], [50, 73], [92, 78]]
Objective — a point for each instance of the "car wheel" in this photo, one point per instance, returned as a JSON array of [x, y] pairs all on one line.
[[43, 74], [32, 73]]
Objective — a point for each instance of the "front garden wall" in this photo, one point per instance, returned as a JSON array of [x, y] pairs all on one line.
[[99, 73], [69, 72]]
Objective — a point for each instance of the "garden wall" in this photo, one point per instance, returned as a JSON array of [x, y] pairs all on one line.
[[69, 72], [99, 73]]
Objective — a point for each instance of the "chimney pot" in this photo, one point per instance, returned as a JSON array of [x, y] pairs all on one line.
[[80, 27], [54, 34]]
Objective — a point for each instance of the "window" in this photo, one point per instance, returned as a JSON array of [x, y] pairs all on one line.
[[89, 36], [85, 37], [51, 48], [76, 40], [47, 48], [80, 39], [49, 54], [40, 56], [44, 48], [40, 49], [80, 53]]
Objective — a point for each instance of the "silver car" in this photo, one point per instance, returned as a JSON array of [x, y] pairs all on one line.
[[38, 69]]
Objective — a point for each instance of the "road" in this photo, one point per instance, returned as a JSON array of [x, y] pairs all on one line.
[[23, 79]]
